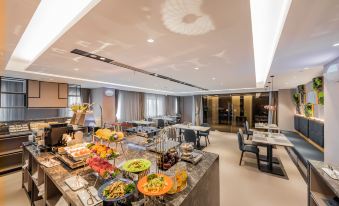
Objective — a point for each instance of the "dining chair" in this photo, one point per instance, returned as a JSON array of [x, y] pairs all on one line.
[[205, 134], [190, 136], [247, 130], [247, 148], [161, 123]]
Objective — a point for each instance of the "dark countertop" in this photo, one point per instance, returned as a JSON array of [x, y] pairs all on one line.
[[333, 184], [15, 134], [195, 172]]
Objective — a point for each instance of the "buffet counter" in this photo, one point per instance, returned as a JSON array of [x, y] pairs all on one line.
[[202, 184]]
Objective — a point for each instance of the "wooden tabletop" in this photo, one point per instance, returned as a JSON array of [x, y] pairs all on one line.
[[271, 138]]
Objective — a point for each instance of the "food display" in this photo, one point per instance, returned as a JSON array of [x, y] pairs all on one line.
[[136, 165], [76, 152], [103, 151], [102, 167], [155, 184], [80, 154], [186, 150], [180, 179], [109, 135], [104, 134], [116, 189], [167, 160]]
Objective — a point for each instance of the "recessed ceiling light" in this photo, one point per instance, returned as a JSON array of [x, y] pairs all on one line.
[[76, 69], [307, 68], [93, 56], [196, 68], [213, 78], [102, 58], [150, 40], [336, 44]]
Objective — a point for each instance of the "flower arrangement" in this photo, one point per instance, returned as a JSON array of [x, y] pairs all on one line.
[[270, 107]]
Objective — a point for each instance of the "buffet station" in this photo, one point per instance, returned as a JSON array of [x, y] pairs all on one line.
[[112, 168]]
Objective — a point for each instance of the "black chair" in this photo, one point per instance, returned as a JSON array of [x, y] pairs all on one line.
[[205, 134], [190, 136], [247, 148], [247, 130], [161, 123]]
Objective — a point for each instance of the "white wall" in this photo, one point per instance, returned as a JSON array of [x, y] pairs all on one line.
[[107, 103], [286, 110], [331, 114]]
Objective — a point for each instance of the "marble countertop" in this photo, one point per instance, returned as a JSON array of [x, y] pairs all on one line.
[[59, 173], [333, 184]]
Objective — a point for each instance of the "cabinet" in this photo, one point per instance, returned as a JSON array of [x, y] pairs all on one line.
[[322, 189]]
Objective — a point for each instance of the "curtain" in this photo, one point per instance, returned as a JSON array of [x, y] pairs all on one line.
[[129, 106], [172, 105], [155, 105], [197, 102]]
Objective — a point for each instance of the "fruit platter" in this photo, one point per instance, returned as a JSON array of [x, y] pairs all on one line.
[[109, 135], [103, 151], [116, 190], [155, 185], [136, 165], [105, 169]]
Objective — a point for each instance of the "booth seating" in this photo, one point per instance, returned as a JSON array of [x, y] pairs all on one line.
[[308, 142]]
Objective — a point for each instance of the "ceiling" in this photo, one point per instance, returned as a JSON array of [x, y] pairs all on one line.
[[214, 36], [305, 45]]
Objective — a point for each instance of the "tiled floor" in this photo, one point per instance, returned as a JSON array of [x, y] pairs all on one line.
[[240, 185]]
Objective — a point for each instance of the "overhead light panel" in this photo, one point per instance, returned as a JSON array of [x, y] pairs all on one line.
[[51, 20], [268, 19], [335, 45]]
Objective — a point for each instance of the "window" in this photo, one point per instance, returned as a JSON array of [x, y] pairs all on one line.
[[13, 98]]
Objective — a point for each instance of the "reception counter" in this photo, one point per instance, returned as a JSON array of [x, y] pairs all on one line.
[[203, 178]]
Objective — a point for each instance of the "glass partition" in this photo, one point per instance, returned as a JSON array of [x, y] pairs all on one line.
[[228, 112]]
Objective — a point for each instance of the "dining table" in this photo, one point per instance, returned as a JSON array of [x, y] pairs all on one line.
[[270, 140], [267, 127], [197, 129], [141, 122]]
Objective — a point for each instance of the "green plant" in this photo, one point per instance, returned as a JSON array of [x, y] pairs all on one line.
[[296, 98], [321, 98], [317, 84], [302, 91], [308, 109]]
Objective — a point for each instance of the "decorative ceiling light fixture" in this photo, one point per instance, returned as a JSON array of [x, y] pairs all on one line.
[[268, 19], [51, 20], [185, 17]]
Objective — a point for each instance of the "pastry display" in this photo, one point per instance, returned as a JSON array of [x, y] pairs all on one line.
[[167, 160]]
